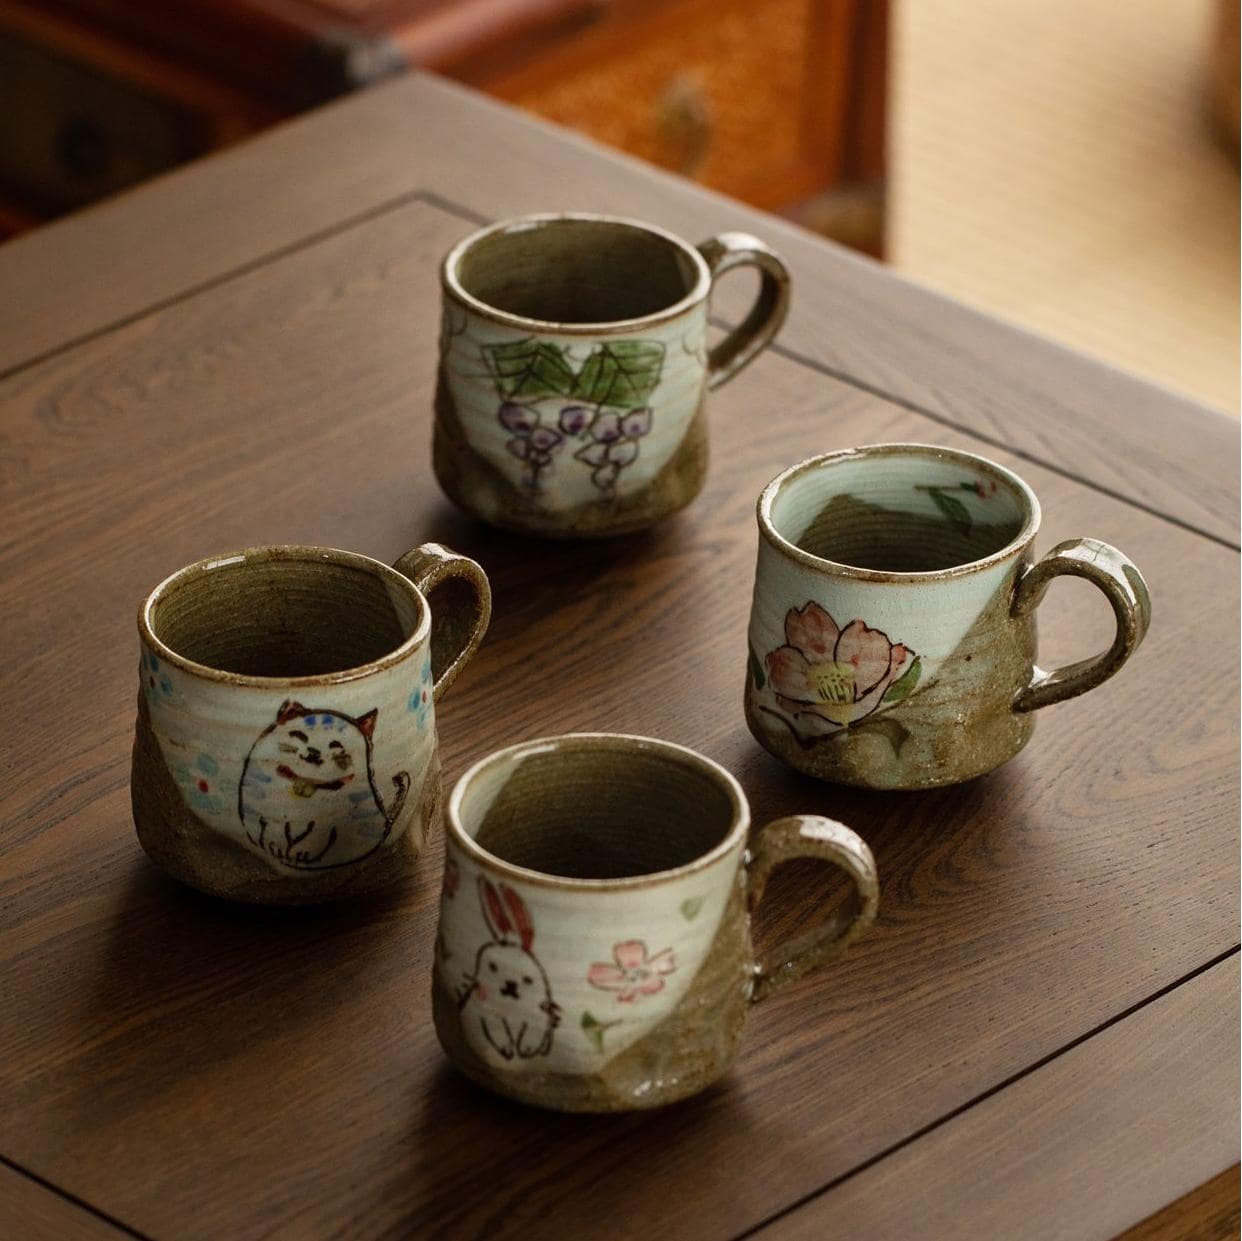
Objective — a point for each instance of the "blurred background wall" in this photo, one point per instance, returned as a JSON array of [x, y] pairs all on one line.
[[1061, 163]]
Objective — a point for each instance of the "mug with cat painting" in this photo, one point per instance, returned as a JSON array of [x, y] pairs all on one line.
[[285, 750]]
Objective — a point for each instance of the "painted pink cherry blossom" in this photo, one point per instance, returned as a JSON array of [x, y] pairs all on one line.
[[632, 973], [839, 675]]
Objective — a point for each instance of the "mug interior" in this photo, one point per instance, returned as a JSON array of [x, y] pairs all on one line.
[[900, 508], [274, 615], [597, 807], [574, 270]]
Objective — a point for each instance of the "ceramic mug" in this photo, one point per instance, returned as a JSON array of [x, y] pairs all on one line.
[[573, 368], [594, 951], [285, 750], [892, 633]]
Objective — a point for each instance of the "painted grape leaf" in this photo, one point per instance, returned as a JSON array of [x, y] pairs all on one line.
[[952, 508], [904, 685], [622, 373], [690, 907], [529, 368]]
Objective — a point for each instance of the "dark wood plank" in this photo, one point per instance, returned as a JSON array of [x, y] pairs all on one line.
[[1082, 1147], [420, 134], [1209, 1213], [31, 1212], [190, 1066]]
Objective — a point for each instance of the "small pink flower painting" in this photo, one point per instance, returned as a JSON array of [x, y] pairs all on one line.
[[632, 974], [840, 675]]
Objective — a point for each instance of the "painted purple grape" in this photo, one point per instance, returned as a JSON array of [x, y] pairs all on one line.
[[606, 428], [593, 454], [605, 476], [623, 452], [544, 438], [574, 418], [516, 418], [636, 423], [519, 448]]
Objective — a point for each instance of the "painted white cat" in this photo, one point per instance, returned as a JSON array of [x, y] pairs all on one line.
[[307, 797]]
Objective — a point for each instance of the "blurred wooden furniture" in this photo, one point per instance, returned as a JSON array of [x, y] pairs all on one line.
[[1038, 1039], [1224, 75], [777, 102]]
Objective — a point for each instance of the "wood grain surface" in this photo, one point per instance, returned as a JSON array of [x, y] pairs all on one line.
[[1158, 1073], [421, 135], [1209, 1213], [197, 1070], [34, 1212]]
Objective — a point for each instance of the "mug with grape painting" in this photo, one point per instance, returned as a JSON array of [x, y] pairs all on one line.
[[573, 368]]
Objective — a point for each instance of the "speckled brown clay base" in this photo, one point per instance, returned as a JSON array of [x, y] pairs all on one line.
[[464, 474], [181, 844], [957, 726], [685, 1053]]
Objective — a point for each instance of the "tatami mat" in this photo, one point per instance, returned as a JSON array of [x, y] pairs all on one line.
[[1052, 163]]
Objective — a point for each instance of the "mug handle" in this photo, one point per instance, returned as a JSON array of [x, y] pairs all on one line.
[[459, 620], [809, 835], [1118, 577], [755, 332]]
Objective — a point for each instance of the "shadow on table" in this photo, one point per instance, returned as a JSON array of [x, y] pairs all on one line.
[[180, 982], [482, 1165]]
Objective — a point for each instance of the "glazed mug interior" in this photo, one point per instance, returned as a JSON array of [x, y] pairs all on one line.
[[577, 270], [284, 613], [901, 509], [598, 808]]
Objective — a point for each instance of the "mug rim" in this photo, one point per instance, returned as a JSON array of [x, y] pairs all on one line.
[[625, 742], [452, 285], [283, 551], [1027, 532]]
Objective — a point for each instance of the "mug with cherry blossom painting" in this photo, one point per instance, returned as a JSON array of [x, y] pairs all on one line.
[[594, 952], [892, 633]]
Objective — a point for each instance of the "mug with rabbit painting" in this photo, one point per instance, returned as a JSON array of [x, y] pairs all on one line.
[[594, 948]]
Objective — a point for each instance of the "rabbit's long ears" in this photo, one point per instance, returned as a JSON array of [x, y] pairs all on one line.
[[519, 917], [505, 913]]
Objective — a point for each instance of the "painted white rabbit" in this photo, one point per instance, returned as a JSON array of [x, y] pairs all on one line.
[[508, 990]]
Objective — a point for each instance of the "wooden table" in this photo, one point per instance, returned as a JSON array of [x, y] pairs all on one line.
[[1039, 1039]]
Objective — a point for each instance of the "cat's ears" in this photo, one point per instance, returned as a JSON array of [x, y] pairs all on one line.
[[290, 710], [505, 913]]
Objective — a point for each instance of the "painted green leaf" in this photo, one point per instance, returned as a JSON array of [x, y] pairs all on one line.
[[756, 669], [622, 373], [595, 1029], [952, 508], [690, 907], [904, 685], [529, 368]]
